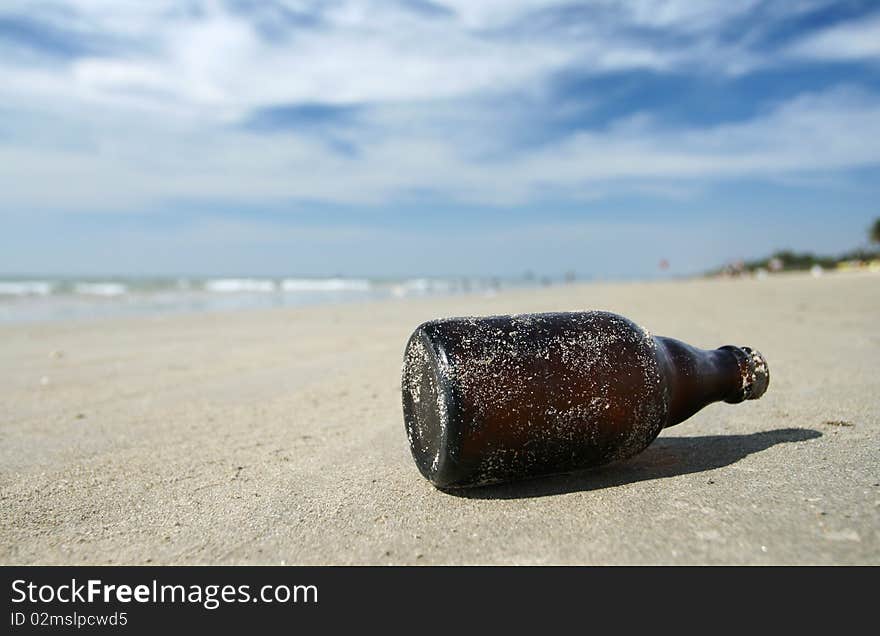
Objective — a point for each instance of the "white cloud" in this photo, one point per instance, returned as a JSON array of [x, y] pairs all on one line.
[[160, 118], [849, 41], [125, 167], [216, 61]]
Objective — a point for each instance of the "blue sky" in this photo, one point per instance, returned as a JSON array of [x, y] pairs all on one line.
[[433, 137]]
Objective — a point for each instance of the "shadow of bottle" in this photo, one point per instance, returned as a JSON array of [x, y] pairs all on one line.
[[666, 457]]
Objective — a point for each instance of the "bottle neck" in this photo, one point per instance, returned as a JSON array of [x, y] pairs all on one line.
[[696, 377]]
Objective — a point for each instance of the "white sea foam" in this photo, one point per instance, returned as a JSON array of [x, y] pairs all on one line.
[[64, 298], [25, 288], [421, 287], [100, 289], [238, 285], [325, 284]]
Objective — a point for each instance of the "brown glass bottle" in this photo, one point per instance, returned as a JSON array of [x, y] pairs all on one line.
[[505, 397]]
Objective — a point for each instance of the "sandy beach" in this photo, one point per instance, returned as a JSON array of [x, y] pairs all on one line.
[[276, 437]]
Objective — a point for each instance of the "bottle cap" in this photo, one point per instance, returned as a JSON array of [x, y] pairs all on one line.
[[754, 371]]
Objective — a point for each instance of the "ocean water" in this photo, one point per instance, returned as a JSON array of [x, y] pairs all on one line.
[[28, 299]]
